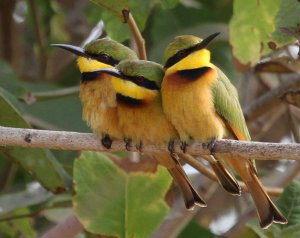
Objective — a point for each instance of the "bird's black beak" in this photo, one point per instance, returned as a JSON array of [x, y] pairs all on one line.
[[73, 49], [111, 71], [203, 44]]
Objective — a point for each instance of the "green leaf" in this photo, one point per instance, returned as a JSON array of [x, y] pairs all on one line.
[[115, 29], [195, 230], [247, 232], [290, 232], [255, 227], [250, 28], [167, 4], [111, 202], [115, 7], [287, 17], [289, 203], [9, 81], [140, 10], [18, 227], [37, 162]]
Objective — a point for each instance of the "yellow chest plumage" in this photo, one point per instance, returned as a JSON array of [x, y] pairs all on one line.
[[146, 123], [98, 99], [189, 105]]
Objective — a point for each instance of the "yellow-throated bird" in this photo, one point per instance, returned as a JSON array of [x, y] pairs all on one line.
[[96, 92], [141, 118], [202, 104]]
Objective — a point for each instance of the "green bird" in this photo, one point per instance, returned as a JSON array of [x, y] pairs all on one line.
[[203, 105], [97, 95]]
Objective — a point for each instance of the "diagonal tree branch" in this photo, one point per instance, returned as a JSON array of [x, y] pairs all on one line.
[[270, 99], [63, 140]]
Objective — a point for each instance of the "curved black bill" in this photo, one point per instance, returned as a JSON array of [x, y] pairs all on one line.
[[206, 41], [73, 49]]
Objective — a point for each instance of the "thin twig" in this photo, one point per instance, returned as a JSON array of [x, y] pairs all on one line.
[[273, 191], [138, 38], [63, 140], [270, 99], [39, 37], [55, 94]]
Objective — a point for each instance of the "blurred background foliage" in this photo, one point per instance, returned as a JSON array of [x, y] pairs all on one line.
[[257, 49]]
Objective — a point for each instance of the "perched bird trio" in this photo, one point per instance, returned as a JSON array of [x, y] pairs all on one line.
[[188, 98]]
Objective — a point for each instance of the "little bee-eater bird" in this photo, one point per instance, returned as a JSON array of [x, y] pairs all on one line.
[[203, 105], [96, 92], [141, 118]]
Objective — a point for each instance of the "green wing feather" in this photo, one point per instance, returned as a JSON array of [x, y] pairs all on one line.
[[227, 104]]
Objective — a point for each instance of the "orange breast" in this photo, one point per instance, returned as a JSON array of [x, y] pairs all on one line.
[[146, 123], [190, 108], [99, 107]]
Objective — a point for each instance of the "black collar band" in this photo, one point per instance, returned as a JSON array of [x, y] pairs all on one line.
[[193, 74], [88, 76], [129, 100]]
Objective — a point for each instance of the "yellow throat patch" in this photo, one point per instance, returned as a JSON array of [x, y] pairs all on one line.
[[132, 90], [88, 65], [194, 60]]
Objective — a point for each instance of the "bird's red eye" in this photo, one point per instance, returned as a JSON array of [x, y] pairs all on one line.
[[140, 79], [104, 57], [180, 53]]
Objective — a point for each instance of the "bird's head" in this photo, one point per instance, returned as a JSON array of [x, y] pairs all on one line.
[[187, 52], [100, 53], [136, 79]]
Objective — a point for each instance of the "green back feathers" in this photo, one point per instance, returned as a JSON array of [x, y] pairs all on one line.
[[110, 47], [227, 104]]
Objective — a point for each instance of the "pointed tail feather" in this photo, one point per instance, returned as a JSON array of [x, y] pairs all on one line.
[[191, 197], [228, 181], [266, 209]]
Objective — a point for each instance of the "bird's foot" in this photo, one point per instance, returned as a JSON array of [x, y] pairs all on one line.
[[106, 141], [171, 147], [183, 146], [128, 144], [211, 145], [139, 147]]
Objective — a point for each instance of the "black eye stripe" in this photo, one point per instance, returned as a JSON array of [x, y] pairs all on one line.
[[145, 83], [180, 55], [185, 52], [104, 58]]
